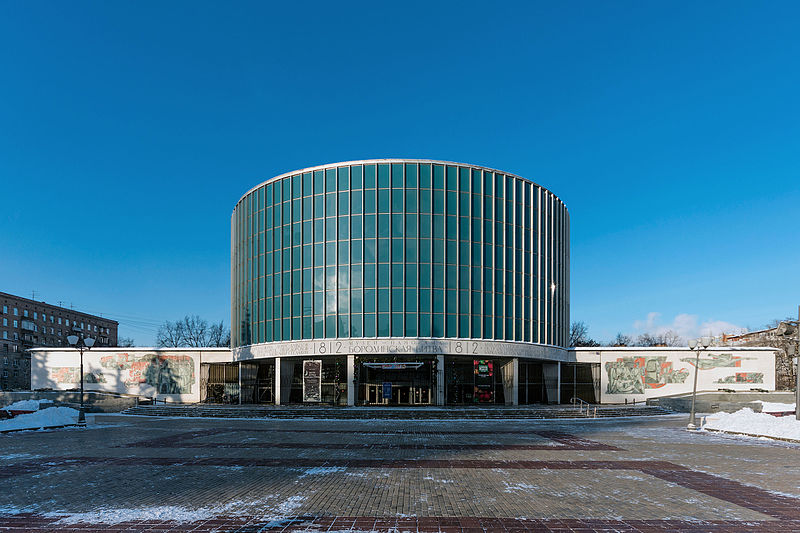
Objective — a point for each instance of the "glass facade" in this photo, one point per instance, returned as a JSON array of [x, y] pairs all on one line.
[[399, 248]]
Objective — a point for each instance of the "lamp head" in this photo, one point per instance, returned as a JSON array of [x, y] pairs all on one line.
[[88, 342], [72, 340]]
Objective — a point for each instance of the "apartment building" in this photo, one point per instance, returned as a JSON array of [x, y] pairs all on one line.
[[26, 323]]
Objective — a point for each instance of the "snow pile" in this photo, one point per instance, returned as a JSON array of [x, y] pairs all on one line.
[[27, 405], [771, 407], [50, 417], [751, 423]]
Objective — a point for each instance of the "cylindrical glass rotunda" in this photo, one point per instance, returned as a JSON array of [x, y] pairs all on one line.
[[409, 280]]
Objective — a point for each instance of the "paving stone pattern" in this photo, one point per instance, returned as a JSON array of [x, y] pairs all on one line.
[[135, 473]]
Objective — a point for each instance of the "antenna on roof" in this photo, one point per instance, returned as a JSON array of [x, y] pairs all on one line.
[[33, 295]]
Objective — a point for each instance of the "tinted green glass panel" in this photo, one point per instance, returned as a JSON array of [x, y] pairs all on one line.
[[383, 176], [369, 325], [397, 324], [344, 178], [384, 226], [411, 175], [437, 325], [330, 180], [425, 175], [383, 325], [369, 300], [344, 203], [397, 175], [356, 177], [411, 250], [424, 275]]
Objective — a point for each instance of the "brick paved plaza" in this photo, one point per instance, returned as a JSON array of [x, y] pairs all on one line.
[[139, 473]]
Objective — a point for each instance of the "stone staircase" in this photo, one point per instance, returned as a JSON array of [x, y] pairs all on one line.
[[396, 413]]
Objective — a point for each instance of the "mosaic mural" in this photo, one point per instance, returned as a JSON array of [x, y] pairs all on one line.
[[71, 374], [169, 374], [743, 377], [634, 374], [717, 360]]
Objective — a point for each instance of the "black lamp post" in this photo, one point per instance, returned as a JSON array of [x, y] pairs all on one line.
[[696, 345], [82, 344]]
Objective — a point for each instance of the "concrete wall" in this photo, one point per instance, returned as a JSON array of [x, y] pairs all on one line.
[[169, 374], [628, 374]]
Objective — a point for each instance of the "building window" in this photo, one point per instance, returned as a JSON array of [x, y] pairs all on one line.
[[16, 362], [67, 322], [35, 315], [5, 309], [59, 321], [5, 334], [16, 324], [25, 313], [5, 361], [16, 312], [5, 322]]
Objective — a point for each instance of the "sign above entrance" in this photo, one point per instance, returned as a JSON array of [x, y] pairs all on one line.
[[394, 366]]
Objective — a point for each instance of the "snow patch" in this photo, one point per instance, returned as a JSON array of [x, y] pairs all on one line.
[[28, 405], [115, 516], [756, 424], [772, 407], [322, 470], [50, 417]]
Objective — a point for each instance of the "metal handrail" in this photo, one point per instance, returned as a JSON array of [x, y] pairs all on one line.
[[581, 403]]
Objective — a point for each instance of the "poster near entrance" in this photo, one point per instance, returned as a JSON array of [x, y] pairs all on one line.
[[312, 381], [484, 381]]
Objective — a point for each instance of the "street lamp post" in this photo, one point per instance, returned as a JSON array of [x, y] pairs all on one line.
[[82, 344], [696, 345]]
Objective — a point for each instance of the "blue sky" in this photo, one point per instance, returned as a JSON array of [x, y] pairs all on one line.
[[128, 130]]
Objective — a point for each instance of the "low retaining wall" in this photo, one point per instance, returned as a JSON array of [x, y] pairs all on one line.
[[714, 402], [94, 402]]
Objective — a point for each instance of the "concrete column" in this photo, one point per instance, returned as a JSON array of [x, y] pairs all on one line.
[[552, 381], [515, 381], [351, 376], [240, 383], [440, 384], [287, 374], [509, 372], [276, 389]]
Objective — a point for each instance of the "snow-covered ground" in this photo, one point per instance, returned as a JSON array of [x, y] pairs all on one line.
[[28, 405], [748, 422], [772, 407], [49, 417]]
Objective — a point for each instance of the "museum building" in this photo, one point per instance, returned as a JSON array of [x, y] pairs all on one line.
[[399, 282]]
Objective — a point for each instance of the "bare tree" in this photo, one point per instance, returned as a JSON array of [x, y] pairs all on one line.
[[192, 331], [671, 338], [579, 335], [218, 335], [125, 342], [622, 340], [170, 334], [668, 338]]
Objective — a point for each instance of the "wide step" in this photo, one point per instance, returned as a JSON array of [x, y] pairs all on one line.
[[410, 413]]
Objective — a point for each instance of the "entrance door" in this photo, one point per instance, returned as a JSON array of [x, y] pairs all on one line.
[[396, 383]]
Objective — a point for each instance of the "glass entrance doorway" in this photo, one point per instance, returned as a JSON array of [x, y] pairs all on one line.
[[407, 382]]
